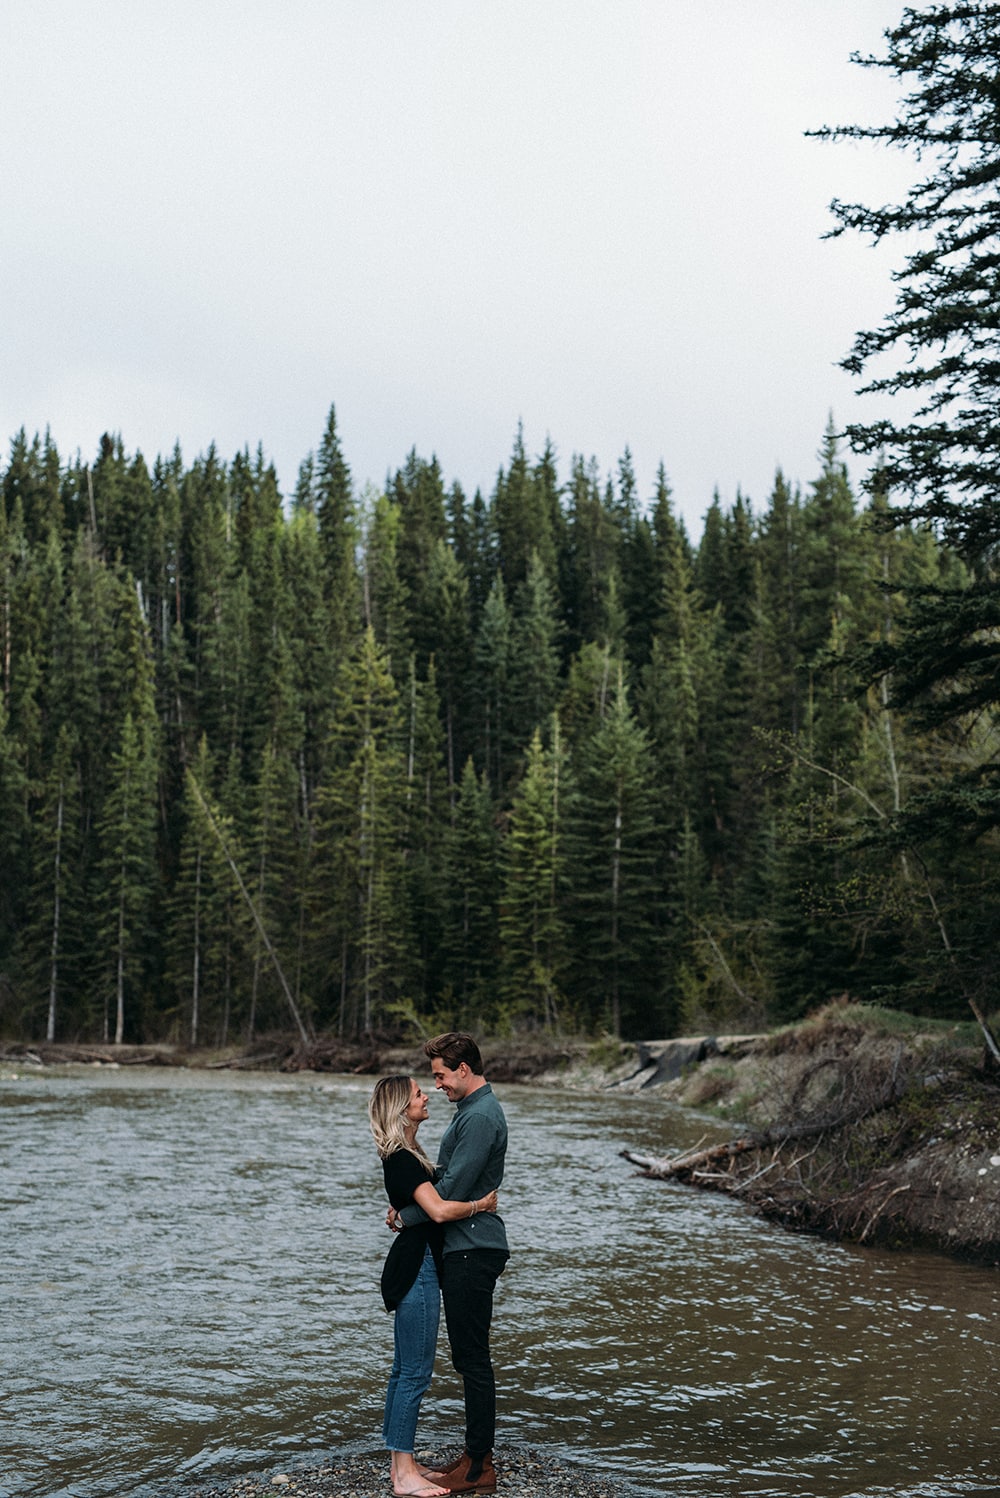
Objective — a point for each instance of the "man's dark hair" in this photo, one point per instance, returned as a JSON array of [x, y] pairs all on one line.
[[453, 1048]]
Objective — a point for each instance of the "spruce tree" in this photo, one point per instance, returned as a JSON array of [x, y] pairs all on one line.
[[610, 871], [448, 597], [15, 842], [198, 912], [127, 875], [50, 936], [936, 350], [359, 911], [534, 654], [492, 662], [426, 815], [527, 515], [472, 899], [532, 914], [336, 517]]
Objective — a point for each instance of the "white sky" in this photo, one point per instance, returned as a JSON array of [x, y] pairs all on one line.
[[598, 217]]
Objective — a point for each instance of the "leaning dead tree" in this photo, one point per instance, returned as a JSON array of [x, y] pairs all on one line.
[[212, 822]]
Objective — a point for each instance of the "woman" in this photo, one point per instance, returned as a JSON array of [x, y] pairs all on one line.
[[410, 1284]]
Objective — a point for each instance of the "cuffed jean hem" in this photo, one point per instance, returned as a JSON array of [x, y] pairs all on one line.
[[415, 1329]]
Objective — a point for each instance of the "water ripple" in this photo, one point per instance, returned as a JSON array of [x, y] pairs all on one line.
[[189, 1277]]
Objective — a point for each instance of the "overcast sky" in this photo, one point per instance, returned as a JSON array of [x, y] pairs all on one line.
[[599, 218]]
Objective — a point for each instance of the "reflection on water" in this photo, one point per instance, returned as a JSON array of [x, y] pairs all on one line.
[[189, 1276]]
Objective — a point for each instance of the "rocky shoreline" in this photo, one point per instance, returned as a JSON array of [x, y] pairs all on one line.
[[522, 1472]]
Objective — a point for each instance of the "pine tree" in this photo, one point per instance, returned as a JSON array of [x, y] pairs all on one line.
[[534, 654], [52, 929], [126, 829], [492, 664], [472, 898], [936, 348], [611, 872], [359, 900], [532, 919], [336, 517], [527, 515]]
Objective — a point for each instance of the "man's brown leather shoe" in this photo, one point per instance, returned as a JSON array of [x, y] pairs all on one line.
[[461, 1480], [443, 1471], [437, 1474]]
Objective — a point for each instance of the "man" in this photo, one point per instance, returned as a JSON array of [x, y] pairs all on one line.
[[470, 1164]]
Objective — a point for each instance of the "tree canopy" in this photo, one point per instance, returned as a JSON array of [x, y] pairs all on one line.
[[938, 464], [349, 762]]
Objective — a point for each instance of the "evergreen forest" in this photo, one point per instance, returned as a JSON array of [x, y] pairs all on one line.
[[358, 762], [351, 762]]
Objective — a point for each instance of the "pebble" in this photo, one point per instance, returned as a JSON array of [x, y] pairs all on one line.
[[521, 1473]]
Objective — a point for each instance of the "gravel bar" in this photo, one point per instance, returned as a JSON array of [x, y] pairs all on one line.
[[521, 1473]]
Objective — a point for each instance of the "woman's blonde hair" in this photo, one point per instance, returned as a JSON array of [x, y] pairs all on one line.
[[387, 1108]]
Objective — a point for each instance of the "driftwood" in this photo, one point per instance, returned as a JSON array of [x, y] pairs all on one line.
[[793, 1169], [691, 1163], [57, 1053], [666, 1168]]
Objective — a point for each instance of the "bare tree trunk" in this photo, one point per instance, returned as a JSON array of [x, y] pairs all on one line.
[[616, 860], [120, 985], [196, 955], [552, 1013], [50, 1029]]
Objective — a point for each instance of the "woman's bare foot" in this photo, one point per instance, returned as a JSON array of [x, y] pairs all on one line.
[[409, 1482]]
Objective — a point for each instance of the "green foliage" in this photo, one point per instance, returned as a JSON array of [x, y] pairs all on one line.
[[400, 762], [532, 920], [936, 350], [611, 871], [358, 911]]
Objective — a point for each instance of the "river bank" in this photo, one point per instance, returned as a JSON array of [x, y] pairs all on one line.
[[853, 1126], [522, 1472], [857, 1124]]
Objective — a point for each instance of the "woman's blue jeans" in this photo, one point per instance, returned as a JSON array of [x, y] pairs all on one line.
[[415, 1338]]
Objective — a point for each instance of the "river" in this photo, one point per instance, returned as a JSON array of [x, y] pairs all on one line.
[[189, 1266]]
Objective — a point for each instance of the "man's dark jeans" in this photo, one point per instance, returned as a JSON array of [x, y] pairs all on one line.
[[468, 1284]]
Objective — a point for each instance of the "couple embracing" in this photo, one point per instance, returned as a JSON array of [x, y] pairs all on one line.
[[450, 1241]]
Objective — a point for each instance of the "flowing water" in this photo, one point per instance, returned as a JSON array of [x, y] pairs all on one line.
[[188, 1279]]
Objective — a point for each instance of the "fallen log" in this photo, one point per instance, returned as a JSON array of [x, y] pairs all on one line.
[[665, 1168], [850, 1112]]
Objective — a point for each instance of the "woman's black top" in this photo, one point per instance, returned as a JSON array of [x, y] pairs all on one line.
[[403, 1173]]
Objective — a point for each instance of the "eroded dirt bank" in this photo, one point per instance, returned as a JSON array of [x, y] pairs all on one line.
[[853, 1132]]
